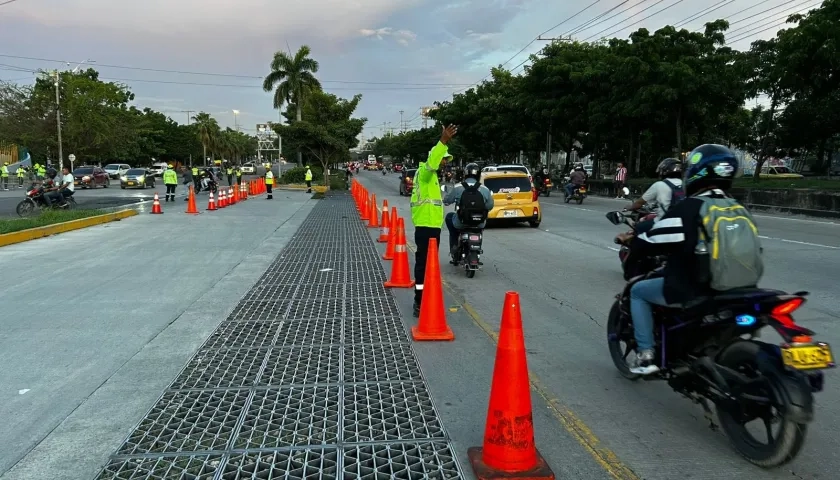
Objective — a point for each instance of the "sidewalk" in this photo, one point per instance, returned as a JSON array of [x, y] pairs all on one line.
[[96, 322], [311, 376]]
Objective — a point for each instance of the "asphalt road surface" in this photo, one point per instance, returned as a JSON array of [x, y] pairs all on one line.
[[567, 273]]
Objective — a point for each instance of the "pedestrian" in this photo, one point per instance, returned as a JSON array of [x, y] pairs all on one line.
[[620, 180], [308, 178], [269, 181], [170, 179], [188, 179], [427, 208]]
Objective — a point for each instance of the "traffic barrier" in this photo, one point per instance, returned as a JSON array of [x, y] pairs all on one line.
[[392, 237], [385, 227], [373, 215], [432, 325], [211, 203], [509, 450], [156, 209], [400, 278], [191, 208]]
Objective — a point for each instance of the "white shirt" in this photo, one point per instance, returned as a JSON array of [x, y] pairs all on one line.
[[68, 179], [659, 195]]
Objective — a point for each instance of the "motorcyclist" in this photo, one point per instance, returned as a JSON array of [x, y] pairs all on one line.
[[453, 222], [660, 193], [576, 179], [209, 176], [62, 188], [676, 235]]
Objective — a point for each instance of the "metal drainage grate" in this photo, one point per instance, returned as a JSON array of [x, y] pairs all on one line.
[[318, 308], [371, 307], [401, 461], [371, 276], [311, 332], [305, 464], [289, 417], [380, 363], [302, 365], [243, 335], [226, 368], [271, 292], [359, 290], [197, 467], [187, 421], [323, 290], [279, 277], [375, 330], [269, 310], [389, 411]]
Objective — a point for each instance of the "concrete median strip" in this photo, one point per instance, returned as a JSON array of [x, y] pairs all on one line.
[[46, 231]]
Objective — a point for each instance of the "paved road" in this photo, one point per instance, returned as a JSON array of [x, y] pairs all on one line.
[[567, 272]]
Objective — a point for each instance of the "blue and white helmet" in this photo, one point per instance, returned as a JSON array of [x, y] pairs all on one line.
[[707, 165]]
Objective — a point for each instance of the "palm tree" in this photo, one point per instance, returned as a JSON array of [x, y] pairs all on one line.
[[208, 129], [293, 78]]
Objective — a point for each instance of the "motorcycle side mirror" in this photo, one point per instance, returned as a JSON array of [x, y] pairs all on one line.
[[614, 217], [625, 190]]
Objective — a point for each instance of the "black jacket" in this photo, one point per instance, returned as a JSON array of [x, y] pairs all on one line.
[[676, 235]]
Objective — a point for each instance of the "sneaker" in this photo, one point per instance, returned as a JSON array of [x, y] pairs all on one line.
[[644, 363]]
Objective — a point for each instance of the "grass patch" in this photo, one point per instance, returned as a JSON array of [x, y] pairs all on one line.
[[49, 217]]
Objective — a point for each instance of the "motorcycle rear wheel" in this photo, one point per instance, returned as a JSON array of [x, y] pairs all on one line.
[[615, 327], [791, 435]]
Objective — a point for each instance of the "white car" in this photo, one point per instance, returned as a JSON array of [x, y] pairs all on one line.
[[248, 168], [116, 170], [157, 168]]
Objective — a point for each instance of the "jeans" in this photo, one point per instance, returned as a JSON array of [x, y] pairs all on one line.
[[642, 295], [453, 232], [570, 189]]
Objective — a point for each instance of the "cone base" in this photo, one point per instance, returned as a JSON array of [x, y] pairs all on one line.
[[419, 336], [541, 470], [390, 284], [387, 257], [157, 213], [382, 240]]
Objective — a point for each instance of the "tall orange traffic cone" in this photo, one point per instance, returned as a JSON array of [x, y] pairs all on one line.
[[243, 191], [373, 216], [156, 205], [365, 211], [191, 207], [509, 450], [396, 223], [400, 277], [225, 198], [234, 197], [432, 323], [385, 227], [211, 203]]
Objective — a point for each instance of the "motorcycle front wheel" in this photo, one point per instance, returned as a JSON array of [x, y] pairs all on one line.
[[26, 208]]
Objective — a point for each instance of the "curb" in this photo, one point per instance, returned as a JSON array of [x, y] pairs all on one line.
[[47, 230], [315, 188]]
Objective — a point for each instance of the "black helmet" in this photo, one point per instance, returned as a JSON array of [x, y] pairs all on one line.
[[578, 166], [670, 168], [710, 165], [51, 172], [472, 171]]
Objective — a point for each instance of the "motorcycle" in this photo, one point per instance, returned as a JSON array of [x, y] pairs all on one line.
[[545, 187], [702, 356], [578, 194], [36, 202], [638, 266], [468, 251], [384, 171]]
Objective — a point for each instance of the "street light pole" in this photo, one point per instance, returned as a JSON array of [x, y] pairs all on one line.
[[58, 121], [235, 120]]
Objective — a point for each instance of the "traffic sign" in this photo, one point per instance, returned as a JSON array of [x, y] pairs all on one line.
[[72, 158]]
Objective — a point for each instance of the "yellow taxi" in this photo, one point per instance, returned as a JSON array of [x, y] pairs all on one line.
[[516, 200]]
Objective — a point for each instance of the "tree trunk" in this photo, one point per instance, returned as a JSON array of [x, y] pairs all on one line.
[[204, 157], [298, 117], [762, 152], [679, 130]]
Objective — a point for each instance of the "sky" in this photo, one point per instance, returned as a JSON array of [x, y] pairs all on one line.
[[401, 55]]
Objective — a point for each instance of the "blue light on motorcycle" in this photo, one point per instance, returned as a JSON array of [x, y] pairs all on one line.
[[745, 320]]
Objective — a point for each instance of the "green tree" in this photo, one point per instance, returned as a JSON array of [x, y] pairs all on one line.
[[207, 129]]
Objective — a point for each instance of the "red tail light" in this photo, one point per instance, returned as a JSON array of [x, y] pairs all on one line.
[[781, 313], [546, 181], [785, 309], [534, 194], [536, 211]]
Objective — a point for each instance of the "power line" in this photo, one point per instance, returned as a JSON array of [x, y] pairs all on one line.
[[753, 32], [768, 17], [7, 2], [589, 24], [642, 20], [604, 20], [752, 16], [229, 75], [705, 11]]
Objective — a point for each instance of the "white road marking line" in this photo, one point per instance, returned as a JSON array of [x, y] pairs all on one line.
[[22, 391], [798, 242]]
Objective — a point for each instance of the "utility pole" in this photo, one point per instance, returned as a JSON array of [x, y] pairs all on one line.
[[58, 121], [402, 125], [189, 117]]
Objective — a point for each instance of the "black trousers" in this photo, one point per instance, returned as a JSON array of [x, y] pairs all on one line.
[[268, 190], [422, 235], [170, 191]]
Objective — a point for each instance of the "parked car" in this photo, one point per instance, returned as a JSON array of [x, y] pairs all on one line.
[[157, 169], [137, 178], [248, 168], [407, 181], [88, 176], [116, 170]]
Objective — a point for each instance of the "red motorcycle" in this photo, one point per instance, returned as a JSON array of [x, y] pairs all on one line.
[[544, 187], [36, 201]]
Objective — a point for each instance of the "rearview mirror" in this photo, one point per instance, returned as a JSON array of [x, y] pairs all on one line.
[[614, 217], [625, 190]]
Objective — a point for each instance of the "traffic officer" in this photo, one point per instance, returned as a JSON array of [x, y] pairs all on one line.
[[4, 174], [196, 179], [21, 173], [170, 179], [308, 179], [269, 181], [427, 208], [239, 174], [229, 172]]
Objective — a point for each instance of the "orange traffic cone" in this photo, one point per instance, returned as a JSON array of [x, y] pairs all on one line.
[[191, 207], [400, 277], [373, 216], [365, 211], [211, 203], [232, 195], [156, 205], [225, 198], [385, 228], [509, 450], [243, 191], [396, 223], [432, 323]]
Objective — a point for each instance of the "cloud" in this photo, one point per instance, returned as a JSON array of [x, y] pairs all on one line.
[[403, 37]]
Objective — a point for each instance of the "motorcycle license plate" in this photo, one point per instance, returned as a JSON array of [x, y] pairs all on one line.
[[511, 213], [582, 190], [76, 182], [808, 357], [130, 184]]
